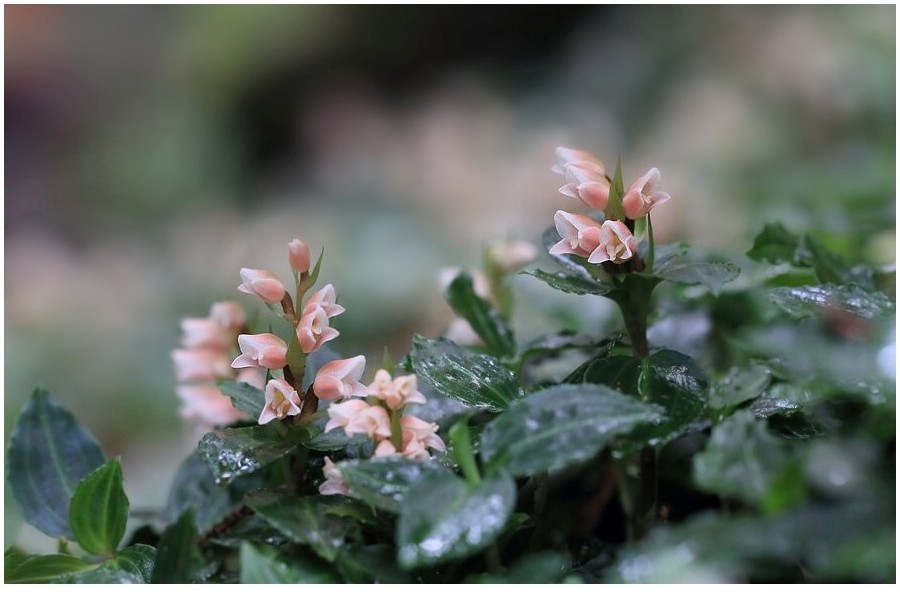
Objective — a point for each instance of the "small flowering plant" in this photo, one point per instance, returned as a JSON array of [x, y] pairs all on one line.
[[716, 434]]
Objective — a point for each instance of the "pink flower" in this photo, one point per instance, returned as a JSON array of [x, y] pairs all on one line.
[[340, 378], [397, 392], [201, 364], [262, 283], [412, 448], [264, 350], [644, 194], [569, 156], [511, 256], [324, 298], [314, 329], [580, 234], [423, 431], [617, 244], [586, 184], [205, 333], [298, 255], [207, 404], [228, 315], [252, 376], [334, 482], [372, 421], [418, 436], [340, 414], [281, 401]]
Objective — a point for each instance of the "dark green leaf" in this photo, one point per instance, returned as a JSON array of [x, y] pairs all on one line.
[[373, 564], [555, 343], [477, 380], [559, 426], [306, 520], [177, 557], [739, 385], [570, 283], [49, 453], [487, 323], [812, 301], [712, 275], [231, 452], [137, 559], [742, 460], [245, 397], [39, 569], [546, 567], [444, 518], [385, 482], [133, 565], [776, 244], [99, 510], [315, 439], [265, 566]]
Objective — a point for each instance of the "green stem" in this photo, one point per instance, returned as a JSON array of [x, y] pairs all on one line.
[[396, 430], [462, 451], [651, 253], [626, 499]]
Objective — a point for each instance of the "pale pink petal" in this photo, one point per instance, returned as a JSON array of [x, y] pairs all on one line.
[[568, 156], [340, 414], [263, 350], [262, 283], [373, 421], [298, 255], [385, 448], [205, 333], [644, 194], [201, 364], [228, 315], [281, 401]]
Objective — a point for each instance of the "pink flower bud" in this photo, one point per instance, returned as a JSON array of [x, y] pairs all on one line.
[[314, 329], [201, 364], [569, 156], [340, 378], [281, 401], [334, 482], [264, 350], [207, 405], [644, 194], [326, 299], [262, 283], [617, 244], [205, 333], [228, 315], [511, 256], [340, 414], [397, 392], [372, 421], [580, 234], [587, 185], [298, 255]]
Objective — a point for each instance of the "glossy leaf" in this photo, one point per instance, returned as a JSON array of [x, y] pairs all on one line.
[[315, 439], [133, 565], [776, 244], [739, 386], [49, 453], [371, 564], [245, 397], [713, 275], [477, 380], [99, 510], [231, 452], [545, 567], [487, 322], [742, 460], [812, 301], [570, 283], [177, 556], [444, 518], [265, 566], [40, 569], [560, 426], [385, 482], [306, 520]]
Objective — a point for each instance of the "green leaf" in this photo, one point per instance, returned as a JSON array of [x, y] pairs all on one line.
[[316, 439], [445, 519], [385, 482], [40, 569], [775, 244], [371, 564], [554, 343], [742, 460], [545, 567], [739, 385], [133, 565], [712, 275], [266, 566], [560, 426], [49, 453], [484, 319], [813, 301], [177, 556], [477, 380], [306, 520], [231, 452], [245, 397], [570, 283], [137, 559], [99, 510]]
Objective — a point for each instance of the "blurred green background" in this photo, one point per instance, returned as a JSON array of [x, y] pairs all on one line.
[[152, 151]]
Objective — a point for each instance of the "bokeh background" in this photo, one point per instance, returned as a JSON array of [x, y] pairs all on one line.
[[152, 151]]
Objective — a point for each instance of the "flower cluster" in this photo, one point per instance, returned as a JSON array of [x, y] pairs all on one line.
[[207, 347], [377, 411], [588, 182]]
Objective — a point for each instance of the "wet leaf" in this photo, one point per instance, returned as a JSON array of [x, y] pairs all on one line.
[[40, 569], [49, 453], [813, 301], [385, 482], [554, 343], [231, 452], [261, 565], [315, 439], [560, 426], [245, 397], [487, 322], [177, 556], [776, 244], [99, 510], [712, 275], [546, 567], [444, 518], [571, 283], [477, 380], [738, 386], [372, 564], [133, 565], [306, 520]]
